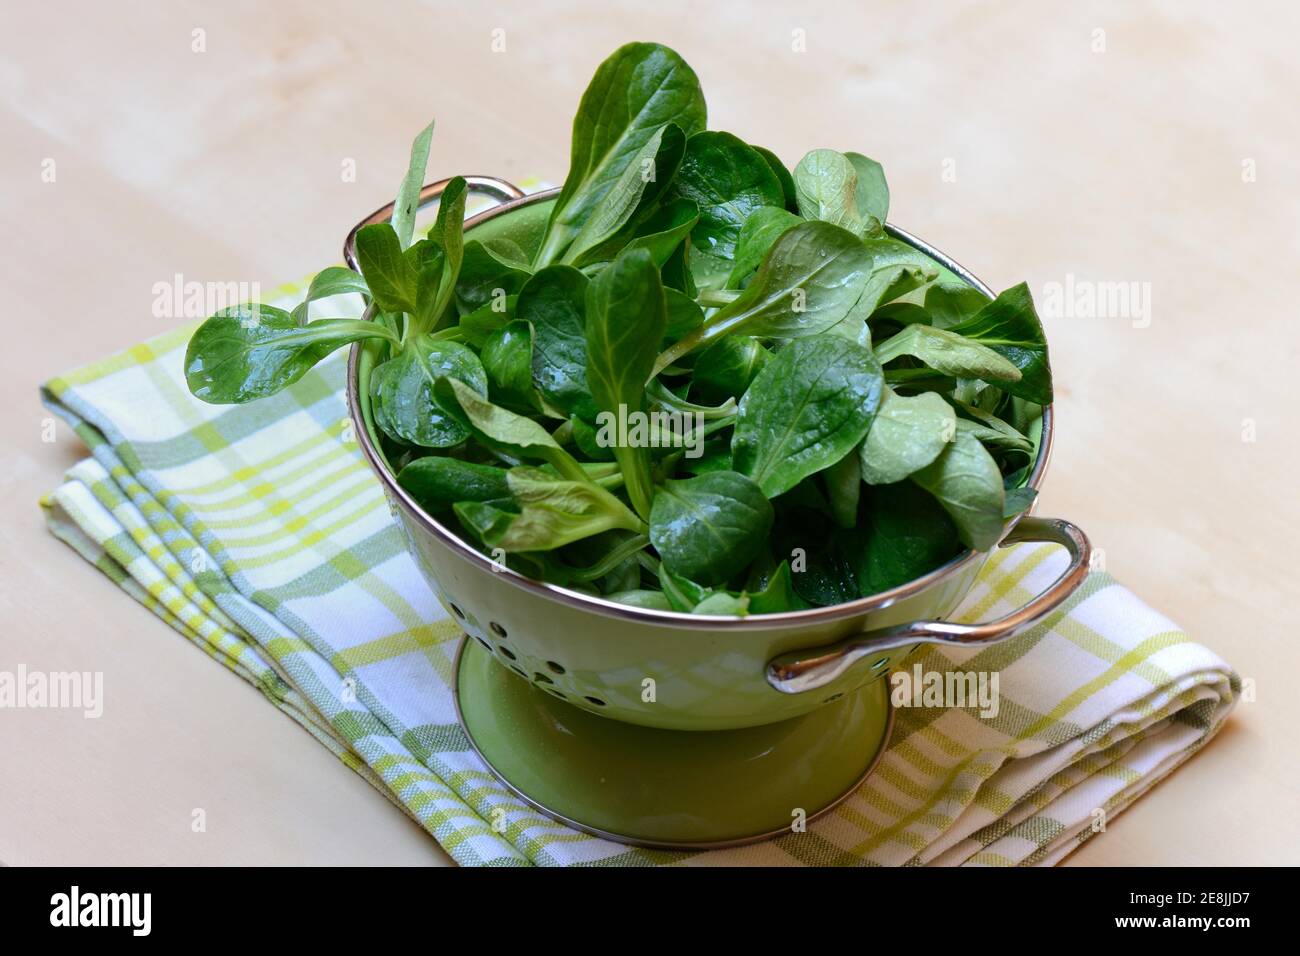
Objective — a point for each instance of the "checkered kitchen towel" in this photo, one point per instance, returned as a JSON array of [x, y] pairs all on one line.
[[257, 532]]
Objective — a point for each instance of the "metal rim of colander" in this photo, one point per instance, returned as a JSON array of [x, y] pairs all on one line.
[[625, 612]]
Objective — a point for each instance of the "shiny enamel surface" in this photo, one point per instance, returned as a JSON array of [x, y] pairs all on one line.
[[664, 788]]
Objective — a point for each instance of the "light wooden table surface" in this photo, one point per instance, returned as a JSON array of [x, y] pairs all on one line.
[[1031, 140]]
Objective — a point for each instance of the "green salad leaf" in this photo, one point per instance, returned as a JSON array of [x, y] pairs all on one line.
[[966, 482], [408, 194], [810, 279], [707, 527], [1010, 326], [871, 192], [727, 180], [635, 94], [554, 303], [807, 409], [697, 381], [826, 185], [909, 432], [250, 351], [626, 317], [406, 407]]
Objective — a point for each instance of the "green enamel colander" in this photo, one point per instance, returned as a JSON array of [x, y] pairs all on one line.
[[680, 730]]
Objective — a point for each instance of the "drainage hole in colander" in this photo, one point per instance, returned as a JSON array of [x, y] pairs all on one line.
[[880, 663], [507, 653], [519, 671], [594, 700], [484, 643], [831, 699], [542, 679], [497, 629], [555, 668], [455, 609]]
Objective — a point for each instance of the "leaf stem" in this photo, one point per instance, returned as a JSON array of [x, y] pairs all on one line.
[[567, 465], [679, 348], [613, 559], [552, 246], [716, 297], [662, 396]]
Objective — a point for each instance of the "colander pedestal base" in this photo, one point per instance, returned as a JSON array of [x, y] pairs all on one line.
[[667, 788]]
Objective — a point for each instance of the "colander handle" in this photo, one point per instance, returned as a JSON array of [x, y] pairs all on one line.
[[806, 670], [498, 189]]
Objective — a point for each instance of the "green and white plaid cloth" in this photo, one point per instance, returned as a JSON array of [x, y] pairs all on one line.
[[258, 533]]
